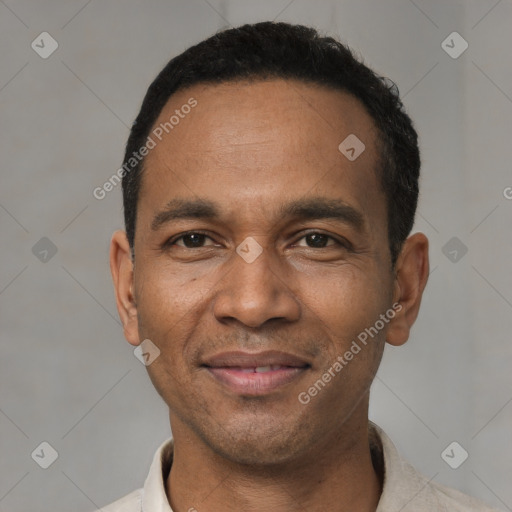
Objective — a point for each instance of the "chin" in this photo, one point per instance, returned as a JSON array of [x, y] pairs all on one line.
[[257, 453], [260, 443]]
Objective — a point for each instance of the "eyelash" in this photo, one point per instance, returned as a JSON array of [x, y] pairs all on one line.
[[340, 243]]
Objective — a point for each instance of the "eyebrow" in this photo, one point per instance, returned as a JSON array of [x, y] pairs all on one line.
[[301, 209]]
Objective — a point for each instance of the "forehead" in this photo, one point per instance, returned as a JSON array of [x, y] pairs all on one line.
[[253, 111], [258, 142]]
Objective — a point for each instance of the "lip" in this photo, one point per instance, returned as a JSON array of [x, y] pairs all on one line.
[[237, 371], [254, 359]]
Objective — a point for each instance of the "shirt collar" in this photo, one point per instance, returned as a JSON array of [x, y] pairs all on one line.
[[154, 496], [403, 486]]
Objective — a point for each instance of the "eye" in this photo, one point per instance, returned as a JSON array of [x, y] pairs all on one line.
[[312, 240], [318, 240], [190, 240]]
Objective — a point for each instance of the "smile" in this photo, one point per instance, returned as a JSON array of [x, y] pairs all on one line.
[[255, 374], [256, 381]]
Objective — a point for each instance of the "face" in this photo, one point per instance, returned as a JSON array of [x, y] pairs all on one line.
[[261, 254]]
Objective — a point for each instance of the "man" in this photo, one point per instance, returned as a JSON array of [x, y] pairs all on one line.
[[270, 183]]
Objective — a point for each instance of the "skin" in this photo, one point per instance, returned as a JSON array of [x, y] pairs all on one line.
[[251, 148]]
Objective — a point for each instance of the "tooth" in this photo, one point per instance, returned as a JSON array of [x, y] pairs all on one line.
[[276, 367], [262, 369], [247, 370]]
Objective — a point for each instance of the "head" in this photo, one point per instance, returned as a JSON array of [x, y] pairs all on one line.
[[279, 50], [293, 245]]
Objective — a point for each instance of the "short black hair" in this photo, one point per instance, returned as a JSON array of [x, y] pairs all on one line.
[[270, 50]]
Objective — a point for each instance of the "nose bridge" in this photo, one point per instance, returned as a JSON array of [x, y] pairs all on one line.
[[253, 269], [255, 290]]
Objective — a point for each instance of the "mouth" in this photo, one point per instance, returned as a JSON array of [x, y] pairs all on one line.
[[254, 374]]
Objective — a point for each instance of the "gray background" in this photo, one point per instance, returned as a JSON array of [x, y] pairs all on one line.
[[67, 375]]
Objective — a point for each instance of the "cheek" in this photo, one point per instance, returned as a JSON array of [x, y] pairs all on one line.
[[167, 305], [171, 300], [345, 300], [166, 293]]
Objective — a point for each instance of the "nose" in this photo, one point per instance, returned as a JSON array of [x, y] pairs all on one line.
[[256, 291]]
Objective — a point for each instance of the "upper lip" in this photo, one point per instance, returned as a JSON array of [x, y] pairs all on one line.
[[255, 360]]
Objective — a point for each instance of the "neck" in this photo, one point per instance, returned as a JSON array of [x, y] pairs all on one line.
[[336, 474]]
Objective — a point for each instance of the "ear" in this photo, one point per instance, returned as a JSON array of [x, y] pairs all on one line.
[[121, 266], [411, 274]]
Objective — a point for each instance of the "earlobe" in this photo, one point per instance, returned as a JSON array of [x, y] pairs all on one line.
[[121, 267], [411, 276]]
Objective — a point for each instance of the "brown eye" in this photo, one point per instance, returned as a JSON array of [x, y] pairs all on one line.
[[318, 240], [191, 240]]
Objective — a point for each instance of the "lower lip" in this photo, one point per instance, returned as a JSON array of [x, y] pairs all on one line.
[[255, 384]]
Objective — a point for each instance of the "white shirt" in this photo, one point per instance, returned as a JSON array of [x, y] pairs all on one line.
[[404, 489]]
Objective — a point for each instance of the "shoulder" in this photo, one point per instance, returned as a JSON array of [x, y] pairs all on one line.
[[130, 503], [408, 490], [152, 496], [455, 501]]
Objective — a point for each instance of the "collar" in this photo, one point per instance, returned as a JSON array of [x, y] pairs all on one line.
[[403, 487]]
